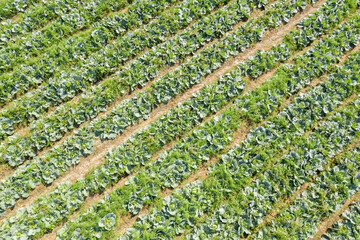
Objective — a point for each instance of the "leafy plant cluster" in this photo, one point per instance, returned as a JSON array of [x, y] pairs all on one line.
[[54, 126], [9, 8], [176, 165], [106, 61], [113, 171], [30, 146], [348, 226], [107, 221], [166, 172], [234, 172], [78, 18], [34, 17], [137, 151], [49, 170], [57, 161], [245, 211], [325, 195], [308, 30], [81, 144], [77, 48]]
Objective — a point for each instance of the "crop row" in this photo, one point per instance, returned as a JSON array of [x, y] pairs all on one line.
[[141, 146], [35, 17], [234, 171], [130, 111], [137, 151], [174, 165], [143, 69], [81, 143], [57, 124], [54, 126], [247, 209], [36, 42], [122, 160], [77, 48], [348, 226], [9, 8], [329, 191]]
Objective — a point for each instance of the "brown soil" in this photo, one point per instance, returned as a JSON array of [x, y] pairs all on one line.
[[5, 170]]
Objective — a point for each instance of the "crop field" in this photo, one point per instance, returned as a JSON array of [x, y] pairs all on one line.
[[179, 119]]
